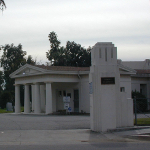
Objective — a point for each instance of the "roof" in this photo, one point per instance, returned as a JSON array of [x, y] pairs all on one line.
[[33, 70], [63, 68], [143, 71]]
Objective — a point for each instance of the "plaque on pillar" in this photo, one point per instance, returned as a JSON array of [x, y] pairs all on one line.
[[107, 80]]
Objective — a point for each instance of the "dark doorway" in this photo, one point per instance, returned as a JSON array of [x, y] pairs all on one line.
[[76, 100]]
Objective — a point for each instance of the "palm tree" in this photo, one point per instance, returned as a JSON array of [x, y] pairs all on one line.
[[2, 4]]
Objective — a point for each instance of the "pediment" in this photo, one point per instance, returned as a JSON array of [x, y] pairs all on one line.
[[27, 70]]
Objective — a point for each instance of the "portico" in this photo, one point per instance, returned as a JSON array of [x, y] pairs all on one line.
[[44, 88], [41, 98]]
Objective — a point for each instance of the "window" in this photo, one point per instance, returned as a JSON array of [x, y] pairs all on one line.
[[64, 93], [122, 89], [69, 94]]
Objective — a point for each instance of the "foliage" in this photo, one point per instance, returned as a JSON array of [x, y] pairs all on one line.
[[5, 111], [1, 81], [143, 121], [71, 55], [30, 60], [4, 98], [11, 59], [2, 4], [141, 101], [54, 44]]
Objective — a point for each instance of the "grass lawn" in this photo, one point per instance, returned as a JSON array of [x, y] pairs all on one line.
[[143, 121], [5, 111]]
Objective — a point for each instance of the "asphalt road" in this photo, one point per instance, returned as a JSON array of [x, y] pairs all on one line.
[[43, 122], [48, 132]]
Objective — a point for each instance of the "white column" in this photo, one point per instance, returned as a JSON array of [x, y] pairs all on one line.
[[33, 96], [48, 98], [26, 99], [43, 97], [17, 99], [37, 106]]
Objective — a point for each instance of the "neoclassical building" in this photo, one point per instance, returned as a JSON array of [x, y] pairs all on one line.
[[51, 84]]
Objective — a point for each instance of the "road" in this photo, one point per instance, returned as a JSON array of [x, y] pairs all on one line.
[[49, 132]]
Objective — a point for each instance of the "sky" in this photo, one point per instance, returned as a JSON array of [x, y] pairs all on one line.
[[125, 23]]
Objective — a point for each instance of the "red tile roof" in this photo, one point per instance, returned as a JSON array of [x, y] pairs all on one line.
[[63, 68], [142, 71]]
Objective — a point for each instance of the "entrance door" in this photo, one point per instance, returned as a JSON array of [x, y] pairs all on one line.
[[76, 100]]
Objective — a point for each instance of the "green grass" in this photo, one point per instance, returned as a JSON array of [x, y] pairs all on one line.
[[22, 109], [143, 121], [5, 111]]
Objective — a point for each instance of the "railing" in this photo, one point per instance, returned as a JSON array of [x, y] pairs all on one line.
[[142, 111]]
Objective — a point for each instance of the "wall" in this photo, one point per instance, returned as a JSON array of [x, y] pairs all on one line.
[[135, 84], [84, 94], [69, 88], [125, 81]]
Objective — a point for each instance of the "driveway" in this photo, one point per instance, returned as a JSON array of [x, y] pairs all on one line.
[[43, 122]]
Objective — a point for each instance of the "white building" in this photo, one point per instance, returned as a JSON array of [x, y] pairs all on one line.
[[50, 84], [141, 80]]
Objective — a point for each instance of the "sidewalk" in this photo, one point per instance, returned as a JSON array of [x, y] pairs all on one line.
[[64, 137], [62, 130]]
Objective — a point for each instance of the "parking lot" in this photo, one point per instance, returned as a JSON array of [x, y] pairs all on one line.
[[43, 122]]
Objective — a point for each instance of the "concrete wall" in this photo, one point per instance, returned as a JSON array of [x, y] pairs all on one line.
[[126, 110], [125, 81], [84, 94]]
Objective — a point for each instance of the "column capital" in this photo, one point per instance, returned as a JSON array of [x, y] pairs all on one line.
[[35, 83], [48, 82], [26, 84]]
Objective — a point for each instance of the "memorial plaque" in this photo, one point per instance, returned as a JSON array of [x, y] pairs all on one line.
[[108, 80]]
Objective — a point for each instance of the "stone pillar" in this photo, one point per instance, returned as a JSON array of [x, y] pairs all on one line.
[[17, 99], [43, 97], [26, 99], [37, 103], [48, 98], [104, 82], [33, 96]]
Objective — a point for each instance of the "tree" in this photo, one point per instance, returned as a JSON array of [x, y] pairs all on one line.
[[30, 60], [71, 55], [1, 82], [11, 59], [4, 98], [77, 55], [53, 53], [2, 4]]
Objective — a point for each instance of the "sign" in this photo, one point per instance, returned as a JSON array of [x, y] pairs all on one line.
[[66, 106], [90, 88], [66, 99], [69, 109], [108, 80]]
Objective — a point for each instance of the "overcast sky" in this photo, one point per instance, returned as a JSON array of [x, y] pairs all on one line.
[[126, 23]]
